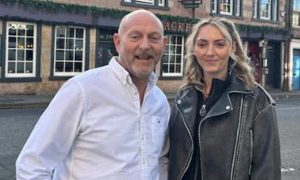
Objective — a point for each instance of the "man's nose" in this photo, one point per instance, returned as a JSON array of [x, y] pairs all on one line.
[[145, 43]]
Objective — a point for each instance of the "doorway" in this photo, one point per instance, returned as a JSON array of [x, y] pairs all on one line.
[[105, 47], [296, 70]]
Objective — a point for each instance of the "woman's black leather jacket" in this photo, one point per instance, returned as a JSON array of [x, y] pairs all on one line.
[[238, 137]]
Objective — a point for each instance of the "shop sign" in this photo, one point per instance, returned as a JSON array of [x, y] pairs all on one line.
[[177, 27]]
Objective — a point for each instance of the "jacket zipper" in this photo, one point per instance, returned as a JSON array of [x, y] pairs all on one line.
[[190, 158], [236, 140], [203, 114], [251, 151], [203, 110]]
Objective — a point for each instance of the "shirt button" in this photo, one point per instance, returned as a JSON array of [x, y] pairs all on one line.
[[227, 107]]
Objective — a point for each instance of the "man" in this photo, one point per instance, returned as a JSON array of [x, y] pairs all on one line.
[[107, 123]]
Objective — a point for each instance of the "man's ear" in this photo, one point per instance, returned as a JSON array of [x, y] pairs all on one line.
[[117, 41], [165, 40]]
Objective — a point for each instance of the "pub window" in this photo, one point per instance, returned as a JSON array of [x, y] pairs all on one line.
[[20, 60], [226, 7], [157, 3], [172, 59], [265, 9], [69, 50], [296, 13]]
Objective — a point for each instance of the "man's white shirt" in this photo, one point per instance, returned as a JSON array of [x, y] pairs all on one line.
[[95, 128]]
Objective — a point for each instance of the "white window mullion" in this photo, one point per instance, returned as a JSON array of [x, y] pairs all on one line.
[[151, 2], [15, 65], [161, 3], [275, 14], [214, 6], [238, 7], [66, 65], [171, 57], [255, 6]]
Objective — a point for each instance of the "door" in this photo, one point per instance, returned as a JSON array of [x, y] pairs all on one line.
[[105, 52], [296, 73], [253, 53], [105, 48]]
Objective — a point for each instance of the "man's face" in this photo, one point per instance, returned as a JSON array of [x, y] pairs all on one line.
[[140, 45]]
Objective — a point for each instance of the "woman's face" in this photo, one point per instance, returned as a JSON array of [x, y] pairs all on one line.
[[212, 52]]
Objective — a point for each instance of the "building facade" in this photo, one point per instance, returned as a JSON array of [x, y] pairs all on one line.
[[44, 43], [293, 65]]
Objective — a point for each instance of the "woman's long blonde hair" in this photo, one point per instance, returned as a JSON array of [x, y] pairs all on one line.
[[241, 67]]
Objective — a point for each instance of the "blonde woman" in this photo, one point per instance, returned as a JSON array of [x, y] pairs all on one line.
[[223, 125]]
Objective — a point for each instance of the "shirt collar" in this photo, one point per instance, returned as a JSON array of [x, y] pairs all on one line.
[[124, 76]]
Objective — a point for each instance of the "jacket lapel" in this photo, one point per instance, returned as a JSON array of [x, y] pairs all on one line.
[[187, 105]]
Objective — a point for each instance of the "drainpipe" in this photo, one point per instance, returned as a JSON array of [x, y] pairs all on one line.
[[263, 44], [288, 20], [193, 10]]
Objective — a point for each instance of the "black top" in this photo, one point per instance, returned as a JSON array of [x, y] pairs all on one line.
[[217, 89]]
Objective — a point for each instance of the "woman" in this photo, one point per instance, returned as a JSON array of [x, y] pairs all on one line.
[[223, 125]]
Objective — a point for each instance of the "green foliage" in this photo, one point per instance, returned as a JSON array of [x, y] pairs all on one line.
[[50, 6]]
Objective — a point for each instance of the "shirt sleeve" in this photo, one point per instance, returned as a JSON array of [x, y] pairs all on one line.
[[164, 160], [53, 135]]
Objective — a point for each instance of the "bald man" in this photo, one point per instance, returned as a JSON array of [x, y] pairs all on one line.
[[108, 123]]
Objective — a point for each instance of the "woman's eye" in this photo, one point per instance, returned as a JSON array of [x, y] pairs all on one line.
[[220, 45], [201, 45]]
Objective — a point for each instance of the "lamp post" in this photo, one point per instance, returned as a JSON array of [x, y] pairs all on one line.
[[191, 4], [263, 44]]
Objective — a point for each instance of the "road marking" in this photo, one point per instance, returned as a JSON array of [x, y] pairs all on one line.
[[290, 108], [287, 169]]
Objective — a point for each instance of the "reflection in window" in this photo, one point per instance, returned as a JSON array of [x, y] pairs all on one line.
[[69, 51], [296, 13], [160, 3], [20, 49], [227, 7], [265, 9], [172, 59]]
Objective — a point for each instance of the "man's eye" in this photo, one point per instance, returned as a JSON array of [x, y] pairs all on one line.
[[134, 36], [155, 38]]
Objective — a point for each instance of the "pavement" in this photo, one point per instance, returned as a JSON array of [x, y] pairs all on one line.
[[41, 101]]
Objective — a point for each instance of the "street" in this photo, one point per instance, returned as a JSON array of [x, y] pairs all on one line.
[[16, 125], [288, 111]]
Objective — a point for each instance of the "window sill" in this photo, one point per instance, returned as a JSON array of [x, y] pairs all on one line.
[[226, 15], [20, 80], [59, 78], [265, 21], [170, 77], [145, 6]]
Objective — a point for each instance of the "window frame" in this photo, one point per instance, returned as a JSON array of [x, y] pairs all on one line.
[[169, 54], [34, 62], [160, 4], [296, 12], [272, 10], [234, 7], [84, 51]]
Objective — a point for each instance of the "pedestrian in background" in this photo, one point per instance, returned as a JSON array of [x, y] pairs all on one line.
[[223, 124], [108, 123]]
